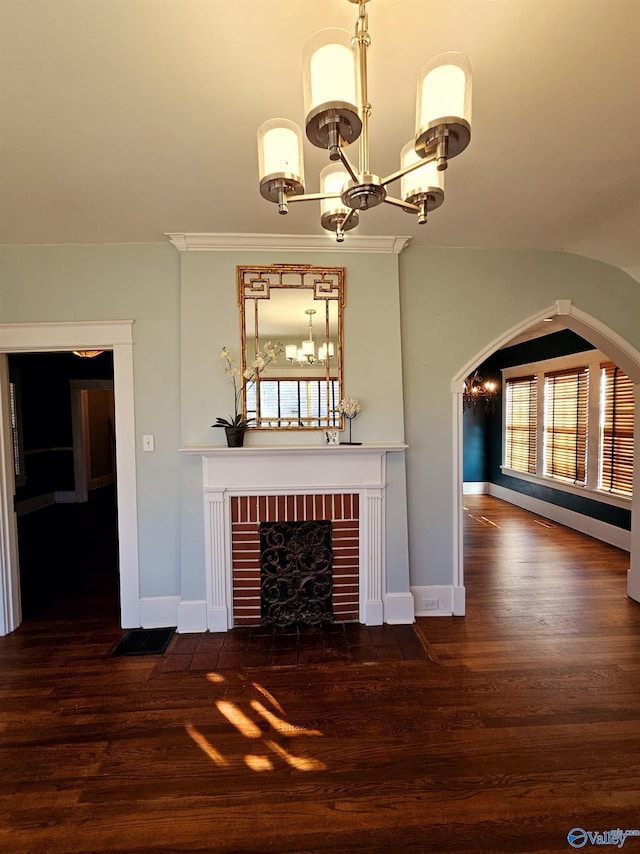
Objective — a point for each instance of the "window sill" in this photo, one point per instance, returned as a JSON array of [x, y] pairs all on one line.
[[574, 489]]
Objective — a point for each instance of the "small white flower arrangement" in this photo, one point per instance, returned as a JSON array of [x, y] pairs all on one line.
[[242, 381], [349, 407]]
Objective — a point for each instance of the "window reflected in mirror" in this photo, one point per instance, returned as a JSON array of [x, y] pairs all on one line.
[[299, 308]]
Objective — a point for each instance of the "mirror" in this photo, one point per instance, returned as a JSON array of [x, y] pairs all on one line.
[[300, 309]]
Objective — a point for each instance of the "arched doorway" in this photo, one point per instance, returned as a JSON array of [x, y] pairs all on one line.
[[620, 352]]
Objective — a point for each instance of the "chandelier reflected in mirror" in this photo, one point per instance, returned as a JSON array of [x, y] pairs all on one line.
[[337, 114], [477, 389], [306, 353]]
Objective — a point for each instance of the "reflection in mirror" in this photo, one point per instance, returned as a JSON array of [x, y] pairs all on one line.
[[300, 308]]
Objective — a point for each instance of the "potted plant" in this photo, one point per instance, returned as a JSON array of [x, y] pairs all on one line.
[[236, 424]]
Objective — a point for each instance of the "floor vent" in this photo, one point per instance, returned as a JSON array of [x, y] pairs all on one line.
[[144, 642]]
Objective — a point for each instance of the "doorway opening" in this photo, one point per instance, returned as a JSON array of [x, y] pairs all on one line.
[[620, 353], [65, 496], [61, 337]]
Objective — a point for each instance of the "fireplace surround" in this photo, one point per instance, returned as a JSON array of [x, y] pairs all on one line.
[[262, 483]]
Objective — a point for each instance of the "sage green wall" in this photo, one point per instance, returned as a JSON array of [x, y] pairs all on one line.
[[449, 304], [373, 374], [210, 319], [138, 282], [454, 303]]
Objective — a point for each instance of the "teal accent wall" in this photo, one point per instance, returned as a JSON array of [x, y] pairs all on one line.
[[549, 347], [475, 459]]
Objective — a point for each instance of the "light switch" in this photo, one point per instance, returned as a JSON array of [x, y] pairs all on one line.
[[148, 442]]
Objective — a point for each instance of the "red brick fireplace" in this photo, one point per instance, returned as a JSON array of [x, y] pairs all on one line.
[[247, 511]]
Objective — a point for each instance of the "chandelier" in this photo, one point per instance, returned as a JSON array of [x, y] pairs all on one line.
[[306, 353], [337, 114], [477, 389]]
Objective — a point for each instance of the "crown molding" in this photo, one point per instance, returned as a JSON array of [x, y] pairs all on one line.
[[386, 244]]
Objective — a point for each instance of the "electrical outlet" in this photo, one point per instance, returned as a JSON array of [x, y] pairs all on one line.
[[430, 604]]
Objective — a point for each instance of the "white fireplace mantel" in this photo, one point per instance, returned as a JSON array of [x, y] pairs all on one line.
[[299, 469]]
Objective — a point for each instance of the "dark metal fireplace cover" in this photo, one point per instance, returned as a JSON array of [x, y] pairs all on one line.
[[296, 573]]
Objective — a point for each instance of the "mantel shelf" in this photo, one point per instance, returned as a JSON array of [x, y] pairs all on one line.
[[292, 450]]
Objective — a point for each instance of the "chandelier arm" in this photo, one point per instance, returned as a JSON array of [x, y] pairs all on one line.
[[345, 222], [406, 206], [348, 166], [313, 197], [411, 168]]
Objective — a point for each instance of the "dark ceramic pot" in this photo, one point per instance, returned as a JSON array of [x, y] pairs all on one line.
[[235, 436]]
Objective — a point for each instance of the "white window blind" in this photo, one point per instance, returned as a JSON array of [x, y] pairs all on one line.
[[616, 430], [521, 424], [295, 403], [566, 423]]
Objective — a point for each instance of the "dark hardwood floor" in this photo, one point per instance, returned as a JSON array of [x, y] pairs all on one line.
[[522, 723]]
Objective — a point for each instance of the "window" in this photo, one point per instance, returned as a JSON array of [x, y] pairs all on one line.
[[569, 423], [521, 424], [565, 424], [616, 430], [295, 403]]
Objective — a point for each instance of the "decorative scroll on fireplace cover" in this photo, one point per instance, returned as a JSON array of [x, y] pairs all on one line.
[[296, 573]]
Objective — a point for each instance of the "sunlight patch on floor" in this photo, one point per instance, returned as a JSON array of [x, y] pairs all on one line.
[[279, 725], [238, 718], [241, 719], [205, 745]]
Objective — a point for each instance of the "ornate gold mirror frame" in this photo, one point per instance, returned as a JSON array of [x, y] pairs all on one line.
[[299, 308]]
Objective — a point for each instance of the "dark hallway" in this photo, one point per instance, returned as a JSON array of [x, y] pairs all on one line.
[[64, 451], [69, 561]]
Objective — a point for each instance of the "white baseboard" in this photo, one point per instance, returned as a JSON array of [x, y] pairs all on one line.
[[447, 600], [585, 524], [399, 608], [475, 488], [192, 617], [65, 496], [159, 612]]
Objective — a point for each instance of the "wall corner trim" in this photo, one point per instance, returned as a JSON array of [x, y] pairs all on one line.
[[399, 608], [192, 616], [563, 306]]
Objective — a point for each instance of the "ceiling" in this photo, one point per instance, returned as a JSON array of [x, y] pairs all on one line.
[[123, 121]]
